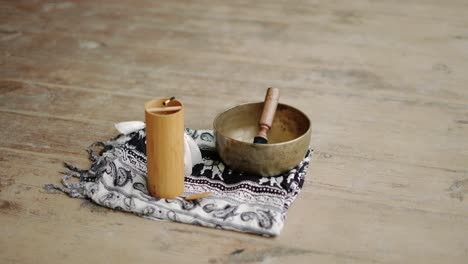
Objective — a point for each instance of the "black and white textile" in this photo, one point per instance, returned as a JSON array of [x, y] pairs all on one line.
[[240, 202]]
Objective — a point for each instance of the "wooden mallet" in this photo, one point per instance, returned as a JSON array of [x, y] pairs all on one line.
[[268, 115]]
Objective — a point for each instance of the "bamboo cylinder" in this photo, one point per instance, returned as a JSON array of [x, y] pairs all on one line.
[[165, 149]]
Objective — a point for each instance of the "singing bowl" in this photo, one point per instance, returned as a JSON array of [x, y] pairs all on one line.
[[288, 139]]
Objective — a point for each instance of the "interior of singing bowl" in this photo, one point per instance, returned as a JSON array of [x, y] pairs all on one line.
[[241, 123]]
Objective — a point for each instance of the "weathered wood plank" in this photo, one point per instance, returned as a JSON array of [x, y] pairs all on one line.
[[123, 79], [358, 175], [438, 77], [383, 82], [402, 132], [98, 47], [29, 212], [50, 134]]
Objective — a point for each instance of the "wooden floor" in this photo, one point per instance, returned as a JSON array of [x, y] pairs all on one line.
[[385, 84]]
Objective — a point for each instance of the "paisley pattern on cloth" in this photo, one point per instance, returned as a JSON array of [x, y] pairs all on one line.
[[240, 202]]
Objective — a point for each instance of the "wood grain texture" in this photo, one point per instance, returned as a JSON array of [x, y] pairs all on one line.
[[383, 82], [165, 148]]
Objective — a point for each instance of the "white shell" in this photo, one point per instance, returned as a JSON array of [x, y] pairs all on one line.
[[129, 127]]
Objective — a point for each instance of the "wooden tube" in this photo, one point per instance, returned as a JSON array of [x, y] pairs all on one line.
[[165, 149]]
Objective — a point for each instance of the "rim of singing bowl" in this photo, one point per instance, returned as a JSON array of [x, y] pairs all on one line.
[[263, 145]]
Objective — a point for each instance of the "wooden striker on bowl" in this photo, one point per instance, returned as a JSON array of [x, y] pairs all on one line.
[[165, 147]]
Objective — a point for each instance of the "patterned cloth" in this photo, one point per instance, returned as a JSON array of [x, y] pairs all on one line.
[[240, 202]]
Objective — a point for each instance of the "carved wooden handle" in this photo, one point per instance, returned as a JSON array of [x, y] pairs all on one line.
[[268, 112]]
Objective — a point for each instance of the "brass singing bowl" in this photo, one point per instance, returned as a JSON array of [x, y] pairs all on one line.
[[288, 139]]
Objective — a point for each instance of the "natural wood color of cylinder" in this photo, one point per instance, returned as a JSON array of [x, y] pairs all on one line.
[[165, 149]]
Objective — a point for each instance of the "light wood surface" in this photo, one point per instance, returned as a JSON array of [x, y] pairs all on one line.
[[383, 82], [165, 148]]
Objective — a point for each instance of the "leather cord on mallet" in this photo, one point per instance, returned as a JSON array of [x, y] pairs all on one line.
[[268, 114]]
